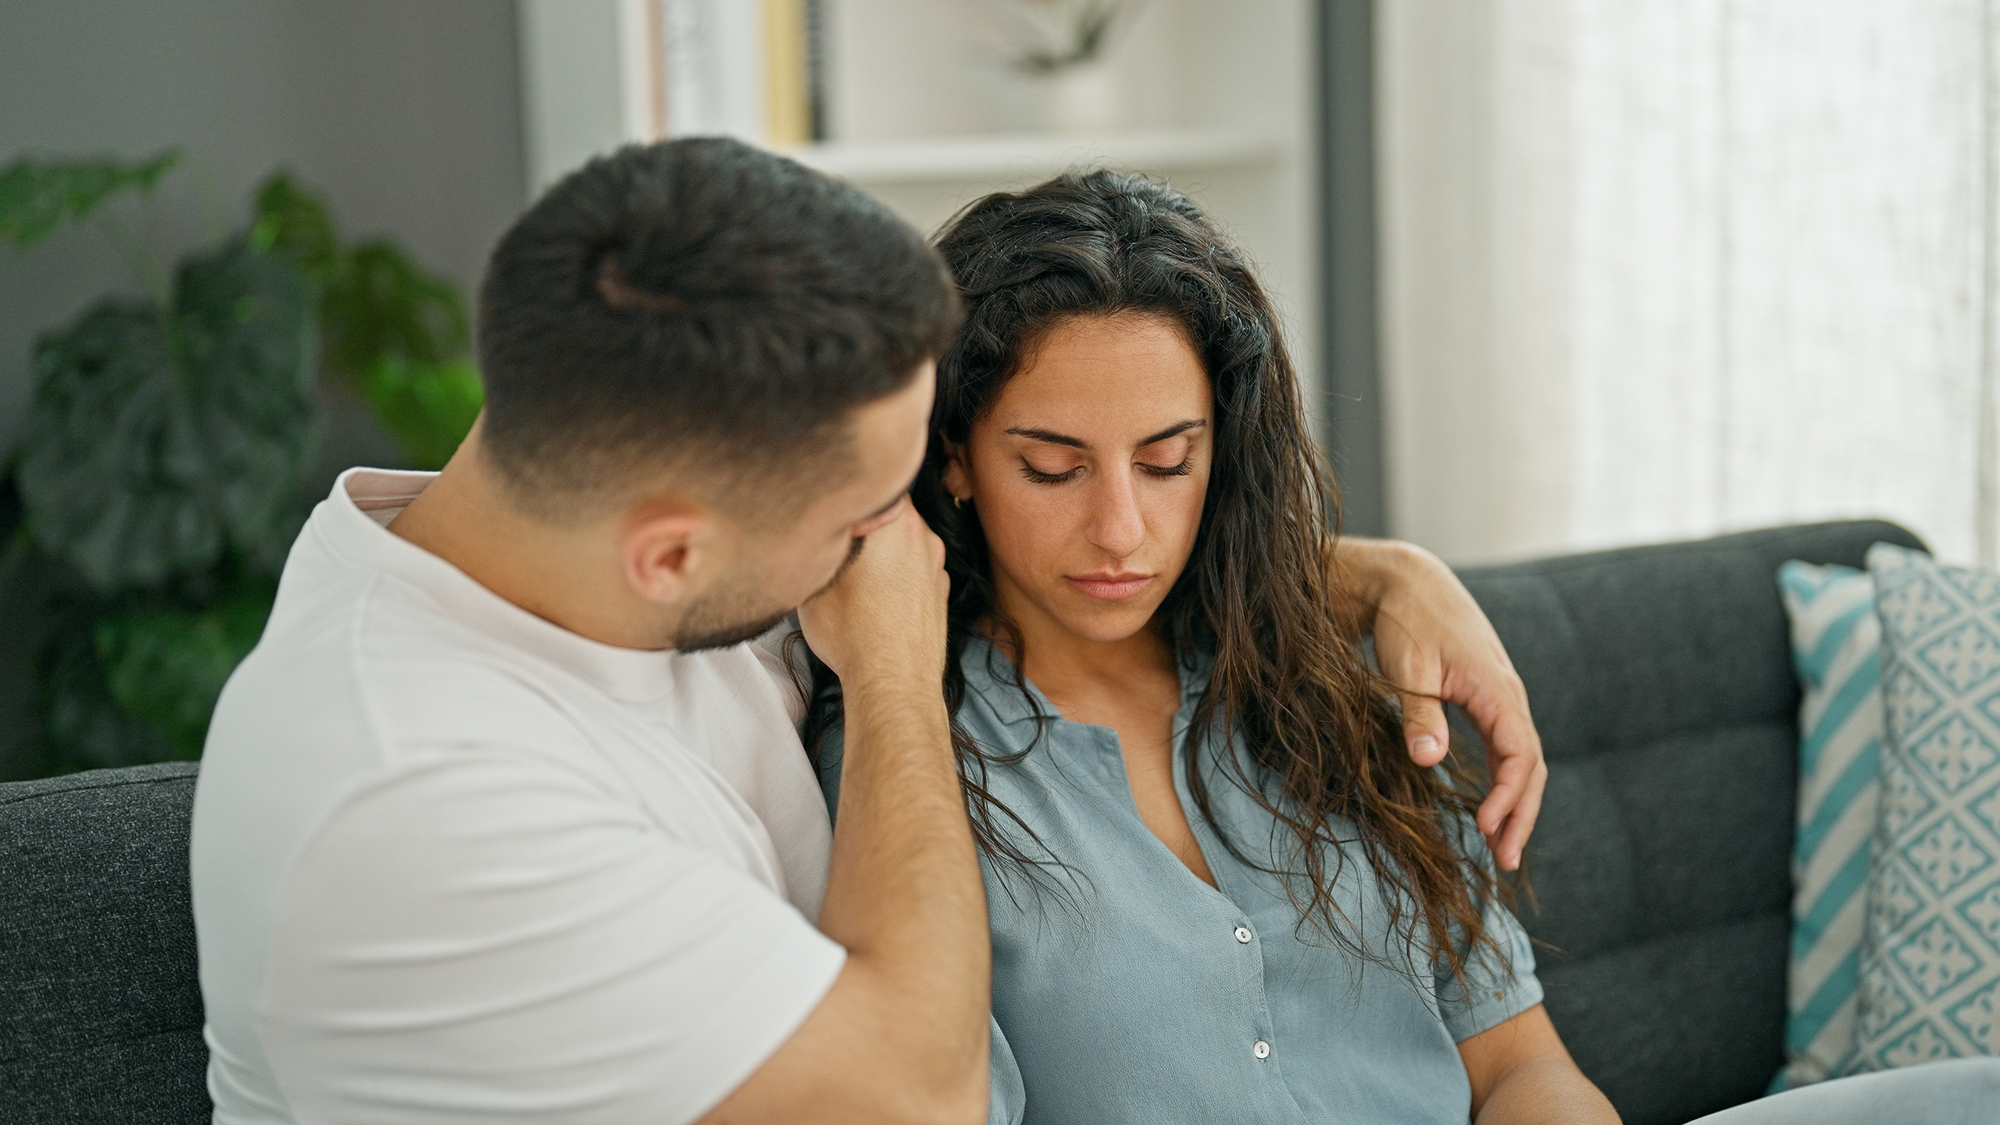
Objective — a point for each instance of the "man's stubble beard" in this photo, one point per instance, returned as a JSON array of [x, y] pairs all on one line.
[[724, 618]]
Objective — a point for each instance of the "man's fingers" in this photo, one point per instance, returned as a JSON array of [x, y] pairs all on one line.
[[1507, 816], [1504, 722], [1510, 783], [1514, 756], [1424, 729], [1514, 841]]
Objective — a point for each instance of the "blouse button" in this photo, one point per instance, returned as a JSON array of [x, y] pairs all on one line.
[[1243, 935], [1262, 1050]]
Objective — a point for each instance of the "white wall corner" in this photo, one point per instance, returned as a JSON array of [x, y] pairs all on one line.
[[587, 84]]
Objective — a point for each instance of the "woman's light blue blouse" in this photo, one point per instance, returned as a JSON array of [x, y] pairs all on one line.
[[1134, 992]]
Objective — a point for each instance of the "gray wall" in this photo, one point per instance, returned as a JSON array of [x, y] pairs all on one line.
[[1348, 258], [406, 113]]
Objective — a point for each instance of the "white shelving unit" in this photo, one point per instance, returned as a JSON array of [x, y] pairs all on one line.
[[1034, 155], [1218, 99]]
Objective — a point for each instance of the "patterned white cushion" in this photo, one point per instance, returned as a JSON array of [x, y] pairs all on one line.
[[1836, 645], [1930, 958]]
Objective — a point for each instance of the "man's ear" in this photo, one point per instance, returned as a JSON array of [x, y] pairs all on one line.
[[669, 548], [957, 478]]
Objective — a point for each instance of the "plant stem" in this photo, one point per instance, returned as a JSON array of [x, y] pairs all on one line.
[[133, 249]]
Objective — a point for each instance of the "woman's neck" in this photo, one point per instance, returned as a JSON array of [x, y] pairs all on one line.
[[1068, 666]]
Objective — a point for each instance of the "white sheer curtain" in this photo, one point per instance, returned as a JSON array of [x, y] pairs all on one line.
[[1662, 268]]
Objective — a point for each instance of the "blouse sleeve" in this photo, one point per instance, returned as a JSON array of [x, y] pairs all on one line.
[[1499, 981]]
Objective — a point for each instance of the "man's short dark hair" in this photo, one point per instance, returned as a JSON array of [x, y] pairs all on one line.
[[698, 304]]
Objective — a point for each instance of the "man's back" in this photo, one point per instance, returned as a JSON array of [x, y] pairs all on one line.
[[453, 862]]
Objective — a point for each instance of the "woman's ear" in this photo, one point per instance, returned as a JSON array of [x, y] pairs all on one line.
[[957, 477]]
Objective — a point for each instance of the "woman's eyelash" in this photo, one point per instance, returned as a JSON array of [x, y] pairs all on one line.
[[1039, 477]]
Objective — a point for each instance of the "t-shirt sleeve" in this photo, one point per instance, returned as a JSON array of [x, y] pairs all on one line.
[[492, 937], [1499, 980]]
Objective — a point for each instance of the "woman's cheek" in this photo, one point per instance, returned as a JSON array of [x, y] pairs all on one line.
[[1034, 525]]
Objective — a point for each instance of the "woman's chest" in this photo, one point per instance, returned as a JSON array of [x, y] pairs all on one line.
[[1215, 999]]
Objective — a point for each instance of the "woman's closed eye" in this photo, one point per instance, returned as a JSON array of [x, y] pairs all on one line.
[[1040, 476]]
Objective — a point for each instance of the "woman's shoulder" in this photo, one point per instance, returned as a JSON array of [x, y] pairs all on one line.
[[998, 705]]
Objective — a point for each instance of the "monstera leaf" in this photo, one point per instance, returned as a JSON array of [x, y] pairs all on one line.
[[84, 727], [165, 664], [379, 303], [427, 407], [36, 197], [392, 329], [159, 440], [294, 223]]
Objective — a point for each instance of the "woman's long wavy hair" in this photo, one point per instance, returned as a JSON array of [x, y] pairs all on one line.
[[1321, 728]]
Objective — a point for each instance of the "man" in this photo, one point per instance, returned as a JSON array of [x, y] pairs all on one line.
[[503, 821]]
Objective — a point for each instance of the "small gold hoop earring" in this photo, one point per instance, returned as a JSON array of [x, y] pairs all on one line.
[[958, 502]]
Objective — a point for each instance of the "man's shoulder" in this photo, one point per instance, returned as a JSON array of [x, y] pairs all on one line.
[[379, 660]]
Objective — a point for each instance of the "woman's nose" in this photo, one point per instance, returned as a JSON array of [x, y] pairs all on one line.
[[1116, 525]]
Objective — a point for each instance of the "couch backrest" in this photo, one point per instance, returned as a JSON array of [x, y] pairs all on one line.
[[100, 1006], [1662, 684]]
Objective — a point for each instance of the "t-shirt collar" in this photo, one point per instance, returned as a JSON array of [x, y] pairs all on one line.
[[353, 524]]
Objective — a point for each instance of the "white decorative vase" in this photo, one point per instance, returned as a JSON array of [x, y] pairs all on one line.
[[1083, 98]]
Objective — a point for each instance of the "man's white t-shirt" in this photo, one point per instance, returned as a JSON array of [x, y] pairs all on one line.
[[453, 863]]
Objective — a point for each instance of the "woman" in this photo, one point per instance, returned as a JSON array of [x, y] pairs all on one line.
[[1220, 887]]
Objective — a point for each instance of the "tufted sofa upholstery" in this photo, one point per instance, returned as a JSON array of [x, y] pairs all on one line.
[[1661, 681], [100, 1009], [1662, 684]]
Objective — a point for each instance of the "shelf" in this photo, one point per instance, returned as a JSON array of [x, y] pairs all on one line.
[[1029, 155]]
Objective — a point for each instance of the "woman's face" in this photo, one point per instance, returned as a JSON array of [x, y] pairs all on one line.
[[1088, 474]]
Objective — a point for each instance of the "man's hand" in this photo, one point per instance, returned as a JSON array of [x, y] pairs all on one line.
[[1433, 642], [885, 615], [901, 1038]]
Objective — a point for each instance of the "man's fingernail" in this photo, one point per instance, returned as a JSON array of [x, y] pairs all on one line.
[[1425, 744]]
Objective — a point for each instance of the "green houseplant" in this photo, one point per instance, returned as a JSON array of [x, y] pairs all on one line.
[[159, 478]]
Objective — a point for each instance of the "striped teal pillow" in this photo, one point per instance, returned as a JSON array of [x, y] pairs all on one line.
[[1836, 645]]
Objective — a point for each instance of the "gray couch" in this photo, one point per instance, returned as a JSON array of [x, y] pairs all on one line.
[[1662, 684]]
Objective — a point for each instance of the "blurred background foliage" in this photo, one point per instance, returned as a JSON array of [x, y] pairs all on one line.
[[161, 476]]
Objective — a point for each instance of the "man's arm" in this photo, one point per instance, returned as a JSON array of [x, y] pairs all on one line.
[[1521, 1073], [1433, 641], [902, 1035]]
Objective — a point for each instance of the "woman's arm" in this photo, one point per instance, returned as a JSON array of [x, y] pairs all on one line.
[[1521, 1072], [1433, 641]]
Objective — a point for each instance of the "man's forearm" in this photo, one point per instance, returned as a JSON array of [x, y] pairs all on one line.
[[1360, 571], [904, 894]]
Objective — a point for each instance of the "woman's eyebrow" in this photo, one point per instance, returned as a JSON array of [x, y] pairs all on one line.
[[1175, 430], [1050, 436], [1054, 438]]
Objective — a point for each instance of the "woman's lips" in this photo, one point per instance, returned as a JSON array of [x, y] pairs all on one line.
[[1111, 588]]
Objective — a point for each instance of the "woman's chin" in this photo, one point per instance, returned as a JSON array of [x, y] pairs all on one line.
[[1108, 622]]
